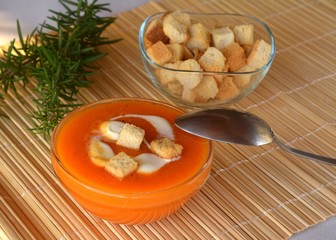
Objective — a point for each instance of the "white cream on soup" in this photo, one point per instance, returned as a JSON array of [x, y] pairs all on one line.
[[161, 125], [148, 162]]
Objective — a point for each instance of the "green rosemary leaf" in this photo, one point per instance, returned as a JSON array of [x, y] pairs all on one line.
[[50, 27], [79, 7], [22, 42], [87, 50], [65, 5], [93, 58], [71, 3], [58, 57]]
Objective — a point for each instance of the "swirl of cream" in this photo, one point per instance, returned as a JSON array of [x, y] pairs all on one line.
[[161, 125], [148, 162]]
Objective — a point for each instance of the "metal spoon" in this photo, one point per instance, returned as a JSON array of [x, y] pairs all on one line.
[[232, 126]]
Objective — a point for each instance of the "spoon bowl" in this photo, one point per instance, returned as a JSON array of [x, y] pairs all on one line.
[[232, 126]]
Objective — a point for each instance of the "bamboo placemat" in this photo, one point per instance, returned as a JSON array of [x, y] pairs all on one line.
[[253, 193]]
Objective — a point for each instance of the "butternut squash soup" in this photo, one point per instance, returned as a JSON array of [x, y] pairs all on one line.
[[125, 161]]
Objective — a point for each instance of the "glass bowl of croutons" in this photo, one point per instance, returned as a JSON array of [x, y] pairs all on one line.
[[124, 159], [201, 60]]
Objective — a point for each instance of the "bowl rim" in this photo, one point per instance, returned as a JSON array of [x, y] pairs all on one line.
[[146, 22], [119, 193]]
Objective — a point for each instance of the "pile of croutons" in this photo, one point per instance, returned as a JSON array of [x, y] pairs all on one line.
[[176, 41]]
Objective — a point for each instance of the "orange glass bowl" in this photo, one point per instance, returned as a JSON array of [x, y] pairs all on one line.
[[123, 206]]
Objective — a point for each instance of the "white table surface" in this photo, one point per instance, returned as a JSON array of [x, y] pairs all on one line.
[[30, 17]]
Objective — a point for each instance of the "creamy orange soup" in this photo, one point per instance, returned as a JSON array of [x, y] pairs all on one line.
[[75, 132]]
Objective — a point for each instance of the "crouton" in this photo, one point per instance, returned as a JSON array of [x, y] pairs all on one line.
[[154, 32], [247, 48], [166, 148], [176, 31], [243, 81], [175, 88], [222, 37], [197, 53], [189, 94], [147, 43], [259, 54], [121, 165], [131, 136], [243, 34], [189, 79], [226, 66], [99, 152], [198, 30], [235, 56], [177, 51], [181, 17], [187, 54], [159, 53], [206, 89], [212, 60], [227, 89], [200, 37], [167, 76], [198, 43]]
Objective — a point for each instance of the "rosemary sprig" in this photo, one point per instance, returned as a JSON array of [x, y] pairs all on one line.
[[58, 58]]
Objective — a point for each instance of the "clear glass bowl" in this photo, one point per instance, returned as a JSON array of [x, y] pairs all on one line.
[[124, 206], [211, 20]]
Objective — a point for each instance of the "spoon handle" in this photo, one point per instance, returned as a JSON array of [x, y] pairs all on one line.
[[303, 153]]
